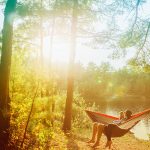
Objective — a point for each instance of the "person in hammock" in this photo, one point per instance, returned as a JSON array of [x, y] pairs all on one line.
[[122, 118], [99, 128]]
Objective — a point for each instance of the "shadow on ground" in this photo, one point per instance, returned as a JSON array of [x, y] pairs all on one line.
[[72, 143]]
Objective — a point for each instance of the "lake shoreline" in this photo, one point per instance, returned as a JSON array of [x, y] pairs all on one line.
[[129, 141]]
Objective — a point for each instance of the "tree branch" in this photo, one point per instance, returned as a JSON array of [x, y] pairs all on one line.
[[136, 16], [145, 39]]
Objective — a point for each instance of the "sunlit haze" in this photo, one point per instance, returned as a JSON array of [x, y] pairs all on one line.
[[84, 53]]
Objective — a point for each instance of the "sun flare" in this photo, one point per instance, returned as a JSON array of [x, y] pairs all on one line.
[[59, 51]]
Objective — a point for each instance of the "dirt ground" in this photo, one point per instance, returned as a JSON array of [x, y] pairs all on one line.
[[75, 142]]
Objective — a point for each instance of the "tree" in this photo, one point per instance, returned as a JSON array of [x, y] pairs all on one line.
[[70, 82], [5, 71]]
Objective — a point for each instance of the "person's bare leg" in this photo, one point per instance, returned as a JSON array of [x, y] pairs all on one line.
[[94, 132], [99, 134], [108, 144], [109, 130]]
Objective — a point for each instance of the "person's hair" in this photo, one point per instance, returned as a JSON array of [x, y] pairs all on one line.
[[128, 114], [121, 115]]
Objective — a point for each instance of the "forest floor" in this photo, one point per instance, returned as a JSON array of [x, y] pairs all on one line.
[[78, 142]]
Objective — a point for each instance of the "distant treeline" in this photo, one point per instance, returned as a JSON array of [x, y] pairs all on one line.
[[99, 83]]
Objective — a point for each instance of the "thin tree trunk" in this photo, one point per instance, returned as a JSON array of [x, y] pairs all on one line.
[[29, 116], [52, 105], [70, 82], [51, 43], [41, 36], [51, 69], [5, 71], [41, 47]]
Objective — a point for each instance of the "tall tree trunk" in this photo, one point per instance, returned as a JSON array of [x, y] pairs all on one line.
[[70, 82], [41, 35], [5, 71], [41, 46], [51, 69]]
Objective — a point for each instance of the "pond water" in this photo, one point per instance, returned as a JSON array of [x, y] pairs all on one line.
[[142, 129]]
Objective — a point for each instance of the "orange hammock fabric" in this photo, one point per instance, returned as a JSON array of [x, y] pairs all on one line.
[[108, 119]]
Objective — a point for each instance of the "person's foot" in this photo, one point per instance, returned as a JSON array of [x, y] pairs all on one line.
[[95, 144], [108, 144], [90, 141]]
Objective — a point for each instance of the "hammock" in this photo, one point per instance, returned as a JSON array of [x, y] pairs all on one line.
[[108, 119]]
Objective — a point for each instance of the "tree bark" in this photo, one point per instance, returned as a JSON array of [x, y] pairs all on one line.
[[70, 82], [41, 46], [5, 64]]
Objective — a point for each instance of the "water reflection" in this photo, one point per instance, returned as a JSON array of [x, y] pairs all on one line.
[[142, 129]]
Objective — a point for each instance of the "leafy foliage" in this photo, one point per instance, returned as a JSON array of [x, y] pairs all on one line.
[[95, 85]]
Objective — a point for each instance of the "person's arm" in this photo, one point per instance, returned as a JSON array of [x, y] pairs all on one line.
[[117, 121]]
